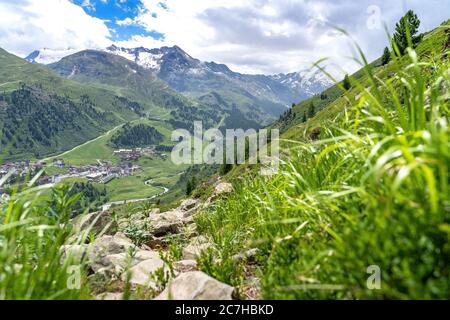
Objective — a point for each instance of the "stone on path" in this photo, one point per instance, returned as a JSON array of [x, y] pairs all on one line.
[[196, 285], [222, 188], [142, 273], [96, 222]]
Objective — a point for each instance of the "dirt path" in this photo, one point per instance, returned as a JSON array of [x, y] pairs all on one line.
[[83, 144], [147, 183]]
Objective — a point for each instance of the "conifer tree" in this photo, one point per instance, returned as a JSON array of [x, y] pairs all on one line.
[[386, 56], [407, 28]]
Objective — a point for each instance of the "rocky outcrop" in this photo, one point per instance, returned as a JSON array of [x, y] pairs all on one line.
[[156, 224], [115, 257], [196, 285], [189, 204], [170, 222], [120, 261], [107, 245]]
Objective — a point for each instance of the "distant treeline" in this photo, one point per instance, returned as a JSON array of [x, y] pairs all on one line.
[[140, 135]]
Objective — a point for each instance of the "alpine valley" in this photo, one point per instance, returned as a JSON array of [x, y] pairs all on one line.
[[69, 106], [354, 204]]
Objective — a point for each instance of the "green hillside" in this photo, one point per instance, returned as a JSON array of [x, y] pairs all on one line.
[[363, 186], [43, 114], [118, 75], [125, 77]]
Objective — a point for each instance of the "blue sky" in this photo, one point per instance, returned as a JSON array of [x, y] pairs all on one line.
[[250, 36], [112, 11]]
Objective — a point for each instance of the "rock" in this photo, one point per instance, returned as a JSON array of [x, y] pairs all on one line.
[[146, 255], [141, 274], [222, 188], [108, 245], [185, 266], [113, 262], [110, 296], [99, 222], [113, 244], [169, 222], [153, 212], [196, 247], [118, 262], [196, 285], [188, 204]]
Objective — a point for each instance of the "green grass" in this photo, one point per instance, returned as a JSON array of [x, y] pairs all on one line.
[[372, 191], [132, 187], [97, 149], [31, 260], [163, 173], [153, 98], [100, 149]]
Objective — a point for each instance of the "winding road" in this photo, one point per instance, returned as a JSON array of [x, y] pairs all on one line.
[[83, 144], [147, 183]]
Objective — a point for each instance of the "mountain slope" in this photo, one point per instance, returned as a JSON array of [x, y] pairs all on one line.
[[118, 74], [171, 63], [42, 113], [362, 189], [195, 78], [259, 98], [121, 75]]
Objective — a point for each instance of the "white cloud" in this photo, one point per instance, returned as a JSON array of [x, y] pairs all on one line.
[[58, 24], [270, 36], [254, 36]]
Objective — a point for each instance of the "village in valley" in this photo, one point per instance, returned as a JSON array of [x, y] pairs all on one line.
[[101, 172]]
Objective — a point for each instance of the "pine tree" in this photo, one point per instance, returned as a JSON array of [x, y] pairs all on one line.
[[405, 29], [188, 188], [191, 185], [311, 110], [304, 117], [386, 56], [346, 84]]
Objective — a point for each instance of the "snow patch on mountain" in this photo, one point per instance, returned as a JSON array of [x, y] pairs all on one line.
[[47, 56], [183, 73]]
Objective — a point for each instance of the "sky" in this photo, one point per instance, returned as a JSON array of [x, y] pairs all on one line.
[[250, 36]]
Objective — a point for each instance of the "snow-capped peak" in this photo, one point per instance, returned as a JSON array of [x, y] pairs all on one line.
[[309, 81], [47, 56], [152, 58]]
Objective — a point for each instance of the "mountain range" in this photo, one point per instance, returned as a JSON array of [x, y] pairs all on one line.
[[262, 98], [66, 97]]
